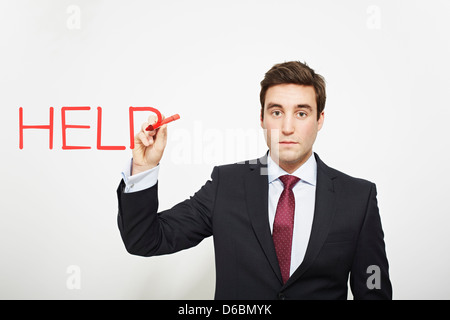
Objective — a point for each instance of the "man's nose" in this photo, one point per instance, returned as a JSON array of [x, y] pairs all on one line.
[[288, 125]]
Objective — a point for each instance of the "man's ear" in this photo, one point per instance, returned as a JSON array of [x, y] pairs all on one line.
[[261, 118], [320, 121]]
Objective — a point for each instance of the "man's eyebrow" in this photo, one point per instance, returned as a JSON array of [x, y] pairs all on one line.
[[299, 106], [274, 105], [304, 106]]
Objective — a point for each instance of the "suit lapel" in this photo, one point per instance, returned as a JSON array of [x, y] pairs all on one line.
[[257, 193], [323, 215]]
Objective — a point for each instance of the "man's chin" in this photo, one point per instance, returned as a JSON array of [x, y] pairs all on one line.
[[288, 157]]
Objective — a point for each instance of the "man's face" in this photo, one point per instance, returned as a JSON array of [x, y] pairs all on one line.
[[290, 117]]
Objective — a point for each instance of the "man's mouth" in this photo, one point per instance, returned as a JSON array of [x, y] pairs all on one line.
[[288, 142]]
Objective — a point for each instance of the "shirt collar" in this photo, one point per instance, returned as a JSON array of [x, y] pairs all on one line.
[[307, 171]]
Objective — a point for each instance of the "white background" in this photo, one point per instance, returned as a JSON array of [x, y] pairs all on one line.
[[386, 120]]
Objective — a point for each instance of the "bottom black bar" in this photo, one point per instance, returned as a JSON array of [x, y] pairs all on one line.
[[208, 309]]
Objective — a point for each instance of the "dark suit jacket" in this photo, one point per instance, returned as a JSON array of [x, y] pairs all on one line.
[[346, 236]]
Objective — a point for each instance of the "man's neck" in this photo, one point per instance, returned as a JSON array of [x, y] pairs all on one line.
[[291, 167]]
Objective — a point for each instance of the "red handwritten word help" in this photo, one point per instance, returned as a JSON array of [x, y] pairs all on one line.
[[65, 126]]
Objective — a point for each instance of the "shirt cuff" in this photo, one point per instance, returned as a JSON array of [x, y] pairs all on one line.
[[140, 181]]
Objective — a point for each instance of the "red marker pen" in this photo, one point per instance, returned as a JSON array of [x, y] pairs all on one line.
[[166, 120]]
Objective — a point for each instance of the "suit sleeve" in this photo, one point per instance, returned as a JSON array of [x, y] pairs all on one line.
[[369, 278], [147, 232]]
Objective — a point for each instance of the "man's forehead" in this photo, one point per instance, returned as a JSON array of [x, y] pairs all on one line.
[[294, 98], [290, 92]]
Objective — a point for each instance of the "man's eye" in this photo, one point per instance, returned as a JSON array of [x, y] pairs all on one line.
[[276, 113], [302, 114]]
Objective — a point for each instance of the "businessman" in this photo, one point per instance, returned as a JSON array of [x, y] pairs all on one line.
[[285, 226]]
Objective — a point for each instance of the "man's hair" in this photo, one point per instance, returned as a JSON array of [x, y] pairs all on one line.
[[294, 72]]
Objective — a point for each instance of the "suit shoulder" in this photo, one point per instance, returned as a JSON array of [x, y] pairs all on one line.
[[345, 178], [237, 167], [238, 170], [351, 187]]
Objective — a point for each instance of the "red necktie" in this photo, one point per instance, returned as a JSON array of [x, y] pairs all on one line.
[[283, 225]]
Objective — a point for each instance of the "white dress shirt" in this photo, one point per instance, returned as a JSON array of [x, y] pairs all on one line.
[[304, 193]]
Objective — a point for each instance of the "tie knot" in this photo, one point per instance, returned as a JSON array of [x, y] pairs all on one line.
[[289, 181]]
